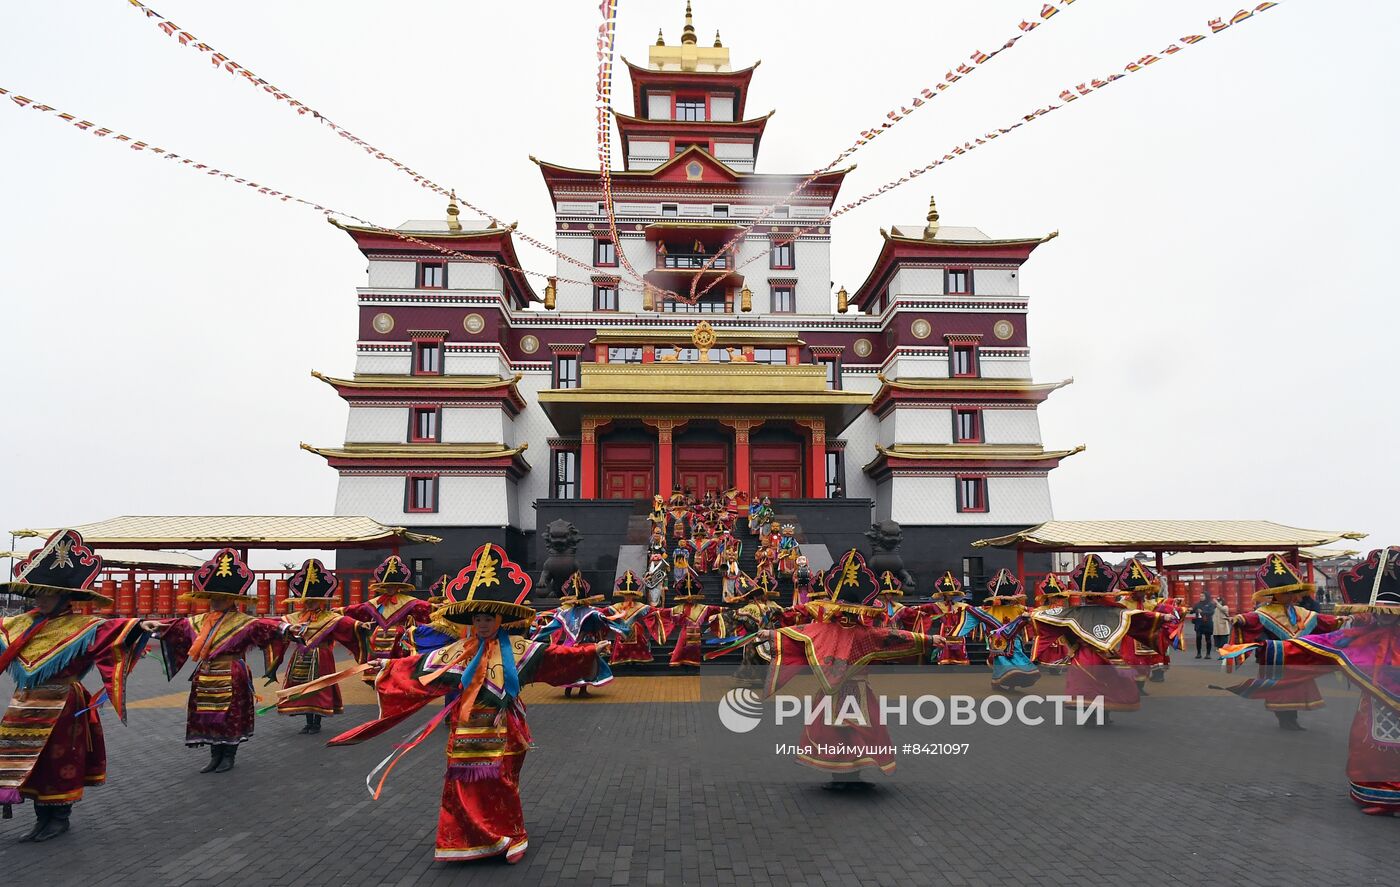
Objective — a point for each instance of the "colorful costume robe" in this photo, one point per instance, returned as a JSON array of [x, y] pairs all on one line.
[[1091, 637], [220, 710], [956, 624], [1369, 653], [1005, 625], [1277, 622], [638, 624], [49, 752], [838, 651], [480, 814], [687, 623], [570, 626], [312, 656], [787, 552], [390, 614]]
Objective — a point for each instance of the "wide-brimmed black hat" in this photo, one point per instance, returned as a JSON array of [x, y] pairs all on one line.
[[575, 591], [948, 586], [850, 584], [393, 575], [1094, 576], [1005, 588], [313, 583], [223, 576], [628, 585], [1373, 586], [1136, 578], [890, 586], [63, 565], [1277, 576], [491, 583], [688, 589]]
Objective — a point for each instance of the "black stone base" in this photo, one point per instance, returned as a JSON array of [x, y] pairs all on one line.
[[930, 550]]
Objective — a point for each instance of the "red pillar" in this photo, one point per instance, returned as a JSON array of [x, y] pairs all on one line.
[[588, 460], [1021, 571], [666, 470], [816, 458]]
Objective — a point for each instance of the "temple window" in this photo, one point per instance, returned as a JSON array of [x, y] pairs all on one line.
[[972, 494], [771, 356], [424, 425], [779, 212], [604, 252], [432, 275], [690, 108], [967, 426], [566, 371], [721, 211], [605, 298], [715, 303], [566, 474], [781, 256], [833, 372], [670, 210], [963, 360], [427, 359], [690, 355], [421, 494], [835, 474], [784, 300], [957, 282], [625, 354]]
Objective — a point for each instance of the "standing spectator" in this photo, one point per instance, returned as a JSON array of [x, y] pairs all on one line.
[[1220, 627], [1203, 619]]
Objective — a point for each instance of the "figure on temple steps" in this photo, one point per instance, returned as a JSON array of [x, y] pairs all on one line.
[[1092, 634], [837, 647], [788, 550], [51, 741], [658, 569], [951, 618], [681, 570], [658, 516], [1278, 617], [479, 815], [1003, 615], [763, 563], [220, 712], [761, 517], [803, 581], [705, 548], [731, 574], [390, 609], [638, 624], [1367, 650], [310, 655], [577, 621], [686, 621]]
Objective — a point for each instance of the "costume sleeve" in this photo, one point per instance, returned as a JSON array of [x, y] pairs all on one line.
[[119, 645], [270, 635], [1146, 628], [401, 694], [175, 643], [1327, 622], [350, 635], [1248, 631], [1047, 636], [560, 666], [1282, 666]]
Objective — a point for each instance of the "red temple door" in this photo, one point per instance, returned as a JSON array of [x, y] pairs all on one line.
[[627, 471], [777, 470], [701, 467]]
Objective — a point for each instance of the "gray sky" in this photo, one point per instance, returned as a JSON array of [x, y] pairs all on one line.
[[1218, 290]]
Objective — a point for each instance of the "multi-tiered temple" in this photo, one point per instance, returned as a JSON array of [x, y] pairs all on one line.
[[481, 409]]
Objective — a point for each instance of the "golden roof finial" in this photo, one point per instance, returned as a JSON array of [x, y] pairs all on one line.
[[660, 38], [688, 34], [719, 44], [932, 218], [452, 211]]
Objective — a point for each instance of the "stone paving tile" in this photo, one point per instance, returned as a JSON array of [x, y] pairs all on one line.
[[1194, 788]]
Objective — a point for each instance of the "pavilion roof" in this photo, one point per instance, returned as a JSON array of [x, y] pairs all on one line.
[[1165, 535], [239, 531]]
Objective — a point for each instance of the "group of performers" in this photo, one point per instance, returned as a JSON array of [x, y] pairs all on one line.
[[478, 640]]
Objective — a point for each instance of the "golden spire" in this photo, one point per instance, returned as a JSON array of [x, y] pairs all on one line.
[[932, 218], [660, 38], [717, 43], [452, 211], [688, 34]]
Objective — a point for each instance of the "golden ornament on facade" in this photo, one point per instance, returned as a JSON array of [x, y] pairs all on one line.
[[383, 323], [862, 347], [473, 323], [920, 329], [1003, 329], [704, 339], [529, 344]]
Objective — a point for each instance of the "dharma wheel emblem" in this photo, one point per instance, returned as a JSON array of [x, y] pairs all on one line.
[[704, 337], [383, 323], [529, 344], [862, 347], [1003, 329]]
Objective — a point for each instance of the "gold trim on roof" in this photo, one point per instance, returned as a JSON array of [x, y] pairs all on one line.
[[260, 531], [973, 452], [366, 380], [1167, 535], [1016, 241], [670, 336], [416, 451], [980, 384], [442, 235], [736, 123]]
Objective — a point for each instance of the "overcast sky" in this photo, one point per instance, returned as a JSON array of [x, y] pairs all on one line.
[[1218, 291]]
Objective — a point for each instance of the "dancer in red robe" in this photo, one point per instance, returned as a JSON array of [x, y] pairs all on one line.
[[1093, 633], [392, 609], [1367, 650], [314, 630], [1048, 650], [1278, 617], [687, 621], [1137, 583], [950, 616], [638, 623], [838, 648], [479, 815], [220, 711], [51, 743]]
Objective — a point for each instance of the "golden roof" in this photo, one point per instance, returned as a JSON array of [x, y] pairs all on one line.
[[389, 380], [416, 451], [1165, 535], [448, 234], [972, 452], [965, 384], [252, 531]]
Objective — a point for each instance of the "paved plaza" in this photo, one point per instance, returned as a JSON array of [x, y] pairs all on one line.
[[641, 785]]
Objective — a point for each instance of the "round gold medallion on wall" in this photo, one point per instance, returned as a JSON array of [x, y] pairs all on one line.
[[529, 344], [383, 323], [1003, 329], [862, 347], [920, 329], [473, 323]]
